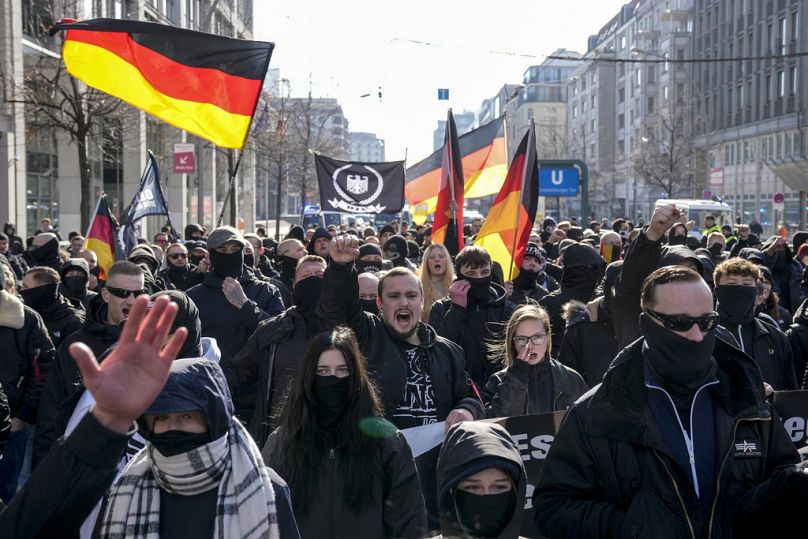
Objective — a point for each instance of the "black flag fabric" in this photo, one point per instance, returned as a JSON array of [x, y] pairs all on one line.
[[148, 200], [360, 187]]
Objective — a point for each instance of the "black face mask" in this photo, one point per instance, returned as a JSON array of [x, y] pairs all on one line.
[[75, 285], [46, 252], [331, 395], [227, 264], [41, 297], [369, 306], [716, 249], [478, 293], [526, 279], [680, 364], [736, 303], [372, 266], [96, 271], [176, 442], [249, 260], [484, 516], [288, 265], [195, 259], [677, 240], [175, 273], [306, 294]]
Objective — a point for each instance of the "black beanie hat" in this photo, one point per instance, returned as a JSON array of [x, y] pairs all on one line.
[[369, 249]]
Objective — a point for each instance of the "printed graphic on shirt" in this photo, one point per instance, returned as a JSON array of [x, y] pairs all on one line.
[[747, 448], [418, 406]]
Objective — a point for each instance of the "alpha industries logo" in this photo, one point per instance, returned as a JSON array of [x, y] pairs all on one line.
[[747, 449]]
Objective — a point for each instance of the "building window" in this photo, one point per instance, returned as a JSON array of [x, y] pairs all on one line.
[[592, 126], [621, 95], [650, 105], [42, 187], [665, 92], [727, 155], [651, 75], [783, 35], [792, 73], [768, 89], [575, 111], [781, 83], [621, 121], [665, 65]]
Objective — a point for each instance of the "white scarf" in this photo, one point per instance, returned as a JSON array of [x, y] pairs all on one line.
[[233, 463]]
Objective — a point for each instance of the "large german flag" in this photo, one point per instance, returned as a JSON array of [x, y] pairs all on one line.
[[506, 229], [482, 152], [206, 84], [101, 238]]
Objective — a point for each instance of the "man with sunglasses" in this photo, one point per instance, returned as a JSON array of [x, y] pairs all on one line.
[[101, 329], [678, 440], [179, 274]]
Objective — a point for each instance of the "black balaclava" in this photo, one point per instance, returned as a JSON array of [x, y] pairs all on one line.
[[46, 253], [331, 395], [187, 317], [736, 304], [395, 250], [175, 273], [249, 260], [716, 249], [288, 265], [680, 364], [75, 286], [370, 306], [526, 279], [306, 294], [41, 297], [484, 515], [373, 266], [479, 292], [227, 264], [677, 239], [413, 251]]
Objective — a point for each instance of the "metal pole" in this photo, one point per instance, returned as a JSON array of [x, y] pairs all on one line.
[[230, 189]]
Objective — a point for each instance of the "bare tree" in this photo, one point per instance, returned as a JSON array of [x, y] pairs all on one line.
[[665, 157]]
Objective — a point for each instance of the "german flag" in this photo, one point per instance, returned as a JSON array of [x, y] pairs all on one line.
[[506, 229], [205, 84], [484, 159], [101, 238], [448, 226]]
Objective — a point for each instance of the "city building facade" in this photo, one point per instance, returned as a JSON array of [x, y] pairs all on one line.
[[367, 147]]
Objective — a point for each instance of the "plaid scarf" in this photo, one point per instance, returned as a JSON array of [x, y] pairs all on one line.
[[233, 463]]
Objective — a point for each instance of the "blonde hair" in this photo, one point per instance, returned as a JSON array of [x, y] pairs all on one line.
[[430, 293], [503, 350]]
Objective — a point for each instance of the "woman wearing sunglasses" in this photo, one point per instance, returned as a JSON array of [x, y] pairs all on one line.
[[532, 382]]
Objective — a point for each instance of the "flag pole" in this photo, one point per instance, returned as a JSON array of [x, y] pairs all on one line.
[[451, 167], [519, 211], [230, 188], [174, 236]]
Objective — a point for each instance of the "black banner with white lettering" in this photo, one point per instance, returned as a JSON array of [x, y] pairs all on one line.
[[360, 187], [792, 407]]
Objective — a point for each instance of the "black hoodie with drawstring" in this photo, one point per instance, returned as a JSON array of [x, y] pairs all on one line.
[[472, 447]]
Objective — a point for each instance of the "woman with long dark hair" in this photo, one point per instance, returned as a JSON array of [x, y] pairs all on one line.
[[351, 474]]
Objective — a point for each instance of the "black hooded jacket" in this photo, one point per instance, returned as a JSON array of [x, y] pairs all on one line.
[[469, 448], [583, 269], [59, 396], [182, 279], [231, 327], [62, 319], [589, 344], [787, 273], [472, 326], [199, 384]]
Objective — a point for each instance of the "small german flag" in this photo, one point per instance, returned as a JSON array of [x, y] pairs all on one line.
[[206, 84], [101, 237]]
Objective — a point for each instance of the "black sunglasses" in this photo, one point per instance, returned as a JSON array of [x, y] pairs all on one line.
[[682, 322], [177, 255], [124, 293]]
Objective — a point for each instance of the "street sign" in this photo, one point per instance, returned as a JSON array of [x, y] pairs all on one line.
[[443, 94], [706, 195], [184, 161], [779, 200], [559, 181]]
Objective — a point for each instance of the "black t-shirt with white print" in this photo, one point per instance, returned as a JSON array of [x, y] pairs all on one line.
[[417, 408]]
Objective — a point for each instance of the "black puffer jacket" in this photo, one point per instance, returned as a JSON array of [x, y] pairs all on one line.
[[514, 391], [270, 361], [787, 274], [582, 271], [798, 339], [472, 326], [340, 305], [608, 474], [589, 344], [396, 508], [64, 382], [469, 448], [26, 355], [231, 327]]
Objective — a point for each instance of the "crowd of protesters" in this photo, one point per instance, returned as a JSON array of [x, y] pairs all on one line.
[[222, 384]]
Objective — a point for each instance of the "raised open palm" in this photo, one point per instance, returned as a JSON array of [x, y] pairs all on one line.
[[132, 376]]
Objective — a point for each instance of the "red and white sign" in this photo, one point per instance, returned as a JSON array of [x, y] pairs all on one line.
[[184, 158], [717, 176]]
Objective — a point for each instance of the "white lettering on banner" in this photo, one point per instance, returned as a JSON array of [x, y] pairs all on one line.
[[540, 446], [796, 429]]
